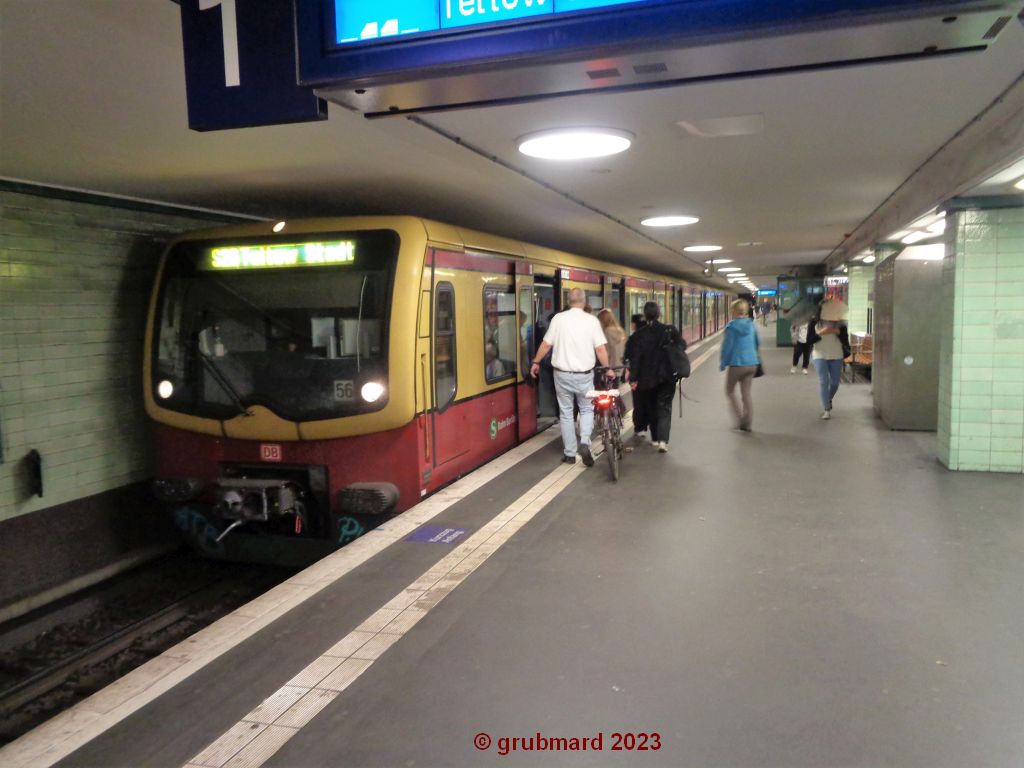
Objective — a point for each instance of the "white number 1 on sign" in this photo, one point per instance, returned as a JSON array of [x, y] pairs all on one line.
[[229, 27]]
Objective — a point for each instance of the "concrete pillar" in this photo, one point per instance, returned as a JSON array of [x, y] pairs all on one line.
[[981, 375]]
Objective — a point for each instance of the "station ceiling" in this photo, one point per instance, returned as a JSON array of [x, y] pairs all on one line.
[[92, 97]]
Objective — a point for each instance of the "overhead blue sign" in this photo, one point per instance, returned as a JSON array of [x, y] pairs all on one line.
[[240, 65], [362, 43], [357, 21]]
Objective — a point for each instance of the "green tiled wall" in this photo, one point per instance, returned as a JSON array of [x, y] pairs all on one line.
[[74, 287], [981, 379], [861, 297]]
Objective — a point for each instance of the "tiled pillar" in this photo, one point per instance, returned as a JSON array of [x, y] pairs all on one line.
[[861, 297], [981, 375]]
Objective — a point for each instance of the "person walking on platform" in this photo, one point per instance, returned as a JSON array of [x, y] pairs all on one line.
[[652, 382], [739, 358], [640, 423], [800, 346], [831, 342], [577, 342], [615, 335]]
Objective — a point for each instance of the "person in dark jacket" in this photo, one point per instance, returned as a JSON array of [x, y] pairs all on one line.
[[652, 383], [740, 356], [639, 417]]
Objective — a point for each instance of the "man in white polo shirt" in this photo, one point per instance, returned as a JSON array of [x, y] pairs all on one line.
[[578, 341]]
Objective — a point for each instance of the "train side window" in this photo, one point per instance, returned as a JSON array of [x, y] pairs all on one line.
[[501, 333], [445, 381]]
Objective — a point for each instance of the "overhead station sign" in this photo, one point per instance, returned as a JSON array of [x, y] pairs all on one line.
[[361, 20], [384, 57]]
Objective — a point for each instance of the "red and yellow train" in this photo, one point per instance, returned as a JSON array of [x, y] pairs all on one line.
[[309, 379]]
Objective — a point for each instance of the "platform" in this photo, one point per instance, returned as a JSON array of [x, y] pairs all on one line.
[[810, 594]]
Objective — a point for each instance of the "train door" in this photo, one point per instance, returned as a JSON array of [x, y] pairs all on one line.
[[544, 308], [445, 363], [526, 390]]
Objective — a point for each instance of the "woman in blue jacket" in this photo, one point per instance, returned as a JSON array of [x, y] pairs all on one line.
[[739, 359]]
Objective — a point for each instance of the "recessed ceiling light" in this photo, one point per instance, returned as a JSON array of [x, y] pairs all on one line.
[[718, 261], [702, 248], [279, 227], [869, 259], [715, 127], [669, 221], [730, 269], [574, 143], [1019, 184]]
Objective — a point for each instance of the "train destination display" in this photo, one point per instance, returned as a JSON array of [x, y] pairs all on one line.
[[361, 20], [275, 256]]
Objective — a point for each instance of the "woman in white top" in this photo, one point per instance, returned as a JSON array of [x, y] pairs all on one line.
[[800, 346]]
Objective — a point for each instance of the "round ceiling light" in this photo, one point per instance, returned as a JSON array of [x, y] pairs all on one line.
[[702, 248], [669, 221], [574, 143]]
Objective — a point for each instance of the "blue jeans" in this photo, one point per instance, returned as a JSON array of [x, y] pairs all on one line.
[[570, 386], [828, 379]]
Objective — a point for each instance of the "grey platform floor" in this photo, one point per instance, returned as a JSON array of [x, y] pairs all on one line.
[[811, 594]]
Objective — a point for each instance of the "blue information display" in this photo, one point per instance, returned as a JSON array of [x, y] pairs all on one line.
[[357, 21], [390, 56]]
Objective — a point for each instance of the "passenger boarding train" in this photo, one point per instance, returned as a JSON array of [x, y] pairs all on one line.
[[308, 380]]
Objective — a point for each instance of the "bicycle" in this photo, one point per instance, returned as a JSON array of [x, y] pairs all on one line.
[[608, 421]]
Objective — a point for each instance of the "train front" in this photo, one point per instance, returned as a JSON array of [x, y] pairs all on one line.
[[270, 362]]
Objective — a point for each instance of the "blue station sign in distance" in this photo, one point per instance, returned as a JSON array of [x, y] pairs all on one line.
[[394, 56]]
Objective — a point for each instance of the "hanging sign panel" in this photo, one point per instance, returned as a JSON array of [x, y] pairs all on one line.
[[356, 21], [240, 65], [404, 55]]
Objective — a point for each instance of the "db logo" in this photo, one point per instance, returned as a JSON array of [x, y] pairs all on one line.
[[270, 452]]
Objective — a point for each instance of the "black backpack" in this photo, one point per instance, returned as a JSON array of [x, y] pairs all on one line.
[[674, 358]]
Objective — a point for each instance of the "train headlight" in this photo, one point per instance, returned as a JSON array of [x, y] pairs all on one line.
[[165, 389], [372, 391]]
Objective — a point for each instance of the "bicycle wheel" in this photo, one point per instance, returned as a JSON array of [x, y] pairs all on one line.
[[611, 450], [617, 437]]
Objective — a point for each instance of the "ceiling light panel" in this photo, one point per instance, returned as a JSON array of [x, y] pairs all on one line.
[[574, 143], [669, 221], [717, 127]]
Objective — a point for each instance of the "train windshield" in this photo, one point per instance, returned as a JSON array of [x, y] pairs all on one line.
[[297, 325]]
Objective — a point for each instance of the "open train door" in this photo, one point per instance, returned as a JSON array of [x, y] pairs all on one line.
[[526, 387]]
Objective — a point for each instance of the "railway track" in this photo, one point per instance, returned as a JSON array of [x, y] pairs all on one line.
[[39, 683]]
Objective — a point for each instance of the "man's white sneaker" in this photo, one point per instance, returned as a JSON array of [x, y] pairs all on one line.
[[826, 415], [805, 371], [663, 447], [792, 370]]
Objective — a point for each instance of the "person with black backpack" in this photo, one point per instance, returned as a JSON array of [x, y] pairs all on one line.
[[653, 363]]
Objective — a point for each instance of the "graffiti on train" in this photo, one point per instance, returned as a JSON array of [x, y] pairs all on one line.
[[349, 529], [199, 530]]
